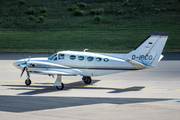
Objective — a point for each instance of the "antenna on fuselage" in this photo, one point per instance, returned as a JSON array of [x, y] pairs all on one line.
[[85, 50]]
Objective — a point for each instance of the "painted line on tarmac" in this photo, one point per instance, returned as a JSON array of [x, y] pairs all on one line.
[[171, 101], [125, 81], [116, 81], [97, 87], [163, 81], [10, 84], [13, 80], [99, 80]]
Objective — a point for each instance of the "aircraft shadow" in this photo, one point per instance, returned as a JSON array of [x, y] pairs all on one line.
[[35, 103], [135, 88], [74, 85]]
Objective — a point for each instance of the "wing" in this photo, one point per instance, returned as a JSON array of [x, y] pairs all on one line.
[[40, 64], [64, 72], [47, 68]]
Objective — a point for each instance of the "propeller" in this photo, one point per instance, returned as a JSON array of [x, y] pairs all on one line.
[[23, 71], [25, 67]]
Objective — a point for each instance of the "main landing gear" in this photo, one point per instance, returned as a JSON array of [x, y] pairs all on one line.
[[59, 85], [87, 79]]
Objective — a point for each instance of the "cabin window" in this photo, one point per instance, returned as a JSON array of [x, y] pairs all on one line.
[[81, 57], [98, 59], [106, 59], [72, 57], [60, 56], [90, 58]]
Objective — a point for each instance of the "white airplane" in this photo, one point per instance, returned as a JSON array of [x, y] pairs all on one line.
[[87, 64]]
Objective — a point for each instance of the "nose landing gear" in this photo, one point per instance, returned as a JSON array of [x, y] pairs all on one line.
[[28, 81]]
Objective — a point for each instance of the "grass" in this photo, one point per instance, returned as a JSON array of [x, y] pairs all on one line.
[[62, 30]]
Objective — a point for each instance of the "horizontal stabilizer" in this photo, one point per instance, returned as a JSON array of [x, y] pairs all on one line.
[[136, 64], [160, 58]]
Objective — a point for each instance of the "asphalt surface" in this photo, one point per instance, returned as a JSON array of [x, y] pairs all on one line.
[[138, 95]]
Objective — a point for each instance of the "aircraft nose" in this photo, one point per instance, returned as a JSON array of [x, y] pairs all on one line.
[[17, 64]]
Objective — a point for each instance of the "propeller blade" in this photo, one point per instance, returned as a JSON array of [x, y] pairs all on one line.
[[29, 58], [23, 71], [27, 72]]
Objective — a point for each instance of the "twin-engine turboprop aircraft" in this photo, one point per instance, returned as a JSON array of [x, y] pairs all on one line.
[[87, 64]]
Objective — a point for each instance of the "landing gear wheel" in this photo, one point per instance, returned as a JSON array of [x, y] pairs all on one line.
[[60, 87], [83, 78], [87, 80], [28, 82]]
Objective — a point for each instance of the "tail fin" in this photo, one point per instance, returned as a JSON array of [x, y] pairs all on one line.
[[148, 53]]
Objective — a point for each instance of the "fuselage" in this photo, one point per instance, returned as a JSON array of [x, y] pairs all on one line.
[[79, 63]]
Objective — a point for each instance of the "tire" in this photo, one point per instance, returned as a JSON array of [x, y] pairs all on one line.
[[28, 82], [88, 80], [83, 78], [60, 87]]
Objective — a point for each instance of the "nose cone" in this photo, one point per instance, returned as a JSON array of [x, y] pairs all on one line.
[[18, 63]]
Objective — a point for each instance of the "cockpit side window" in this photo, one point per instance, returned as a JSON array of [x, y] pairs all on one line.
[[60, 56], [53, 56]]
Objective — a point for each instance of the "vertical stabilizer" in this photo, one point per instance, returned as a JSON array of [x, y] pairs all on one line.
[[149, 51]]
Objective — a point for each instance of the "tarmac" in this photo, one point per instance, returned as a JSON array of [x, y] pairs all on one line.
[[139, 95]]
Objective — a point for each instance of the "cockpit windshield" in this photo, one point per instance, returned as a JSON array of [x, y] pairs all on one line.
[[52, 56]]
